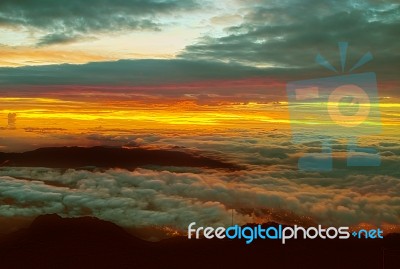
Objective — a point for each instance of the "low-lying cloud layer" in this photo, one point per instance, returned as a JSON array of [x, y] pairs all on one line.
[[271, 188]]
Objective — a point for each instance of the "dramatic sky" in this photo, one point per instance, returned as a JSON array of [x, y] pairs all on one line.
[[207, 76]]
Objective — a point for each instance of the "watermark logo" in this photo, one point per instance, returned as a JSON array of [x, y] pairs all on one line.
[[249, 234], [341, 107]]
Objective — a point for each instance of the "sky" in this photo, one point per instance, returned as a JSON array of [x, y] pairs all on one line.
[[80, 65], [207, 76]]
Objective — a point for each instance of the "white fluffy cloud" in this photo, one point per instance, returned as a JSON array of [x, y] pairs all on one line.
[[270, 187]]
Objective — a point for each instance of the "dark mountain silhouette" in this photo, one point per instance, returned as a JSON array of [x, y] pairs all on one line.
[[108, 157], [54, 242]]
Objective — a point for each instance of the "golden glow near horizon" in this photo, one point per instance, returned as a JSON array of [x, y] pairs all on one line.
[[76, 116], [50, 121], [39, 112]]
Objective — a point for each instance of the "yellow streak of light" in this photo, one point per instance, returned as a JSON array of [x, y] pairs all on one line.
[[79, 116]]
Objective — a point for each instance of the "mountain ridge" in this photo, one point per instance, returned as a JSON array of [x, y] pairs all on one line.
[[109, 157]]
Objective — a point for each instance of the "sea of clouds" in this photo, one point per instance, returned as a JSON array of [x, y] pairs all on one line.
[[268, 188]]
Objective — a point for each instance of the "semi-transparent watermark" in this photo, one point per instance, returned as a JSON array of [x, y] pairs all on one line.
[[334, 108]]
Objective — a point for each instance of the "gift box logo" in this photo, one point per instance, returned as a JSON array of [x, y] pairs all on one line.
[[328, 110]]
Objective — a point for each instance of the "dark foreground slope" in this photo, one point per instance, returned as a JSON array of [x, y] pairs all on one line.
[[108, 157], [53, 242]]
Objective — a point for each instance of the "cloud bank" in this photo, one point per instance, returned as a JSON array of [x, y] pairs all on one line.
[[66, 22], [289, 34], [271, 188]]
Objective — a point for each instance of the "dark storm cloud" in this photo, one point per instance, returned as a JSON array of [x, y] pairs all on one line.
[[125, 72], [290, 34], [205, 82], [70, 18], [59, 38]]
